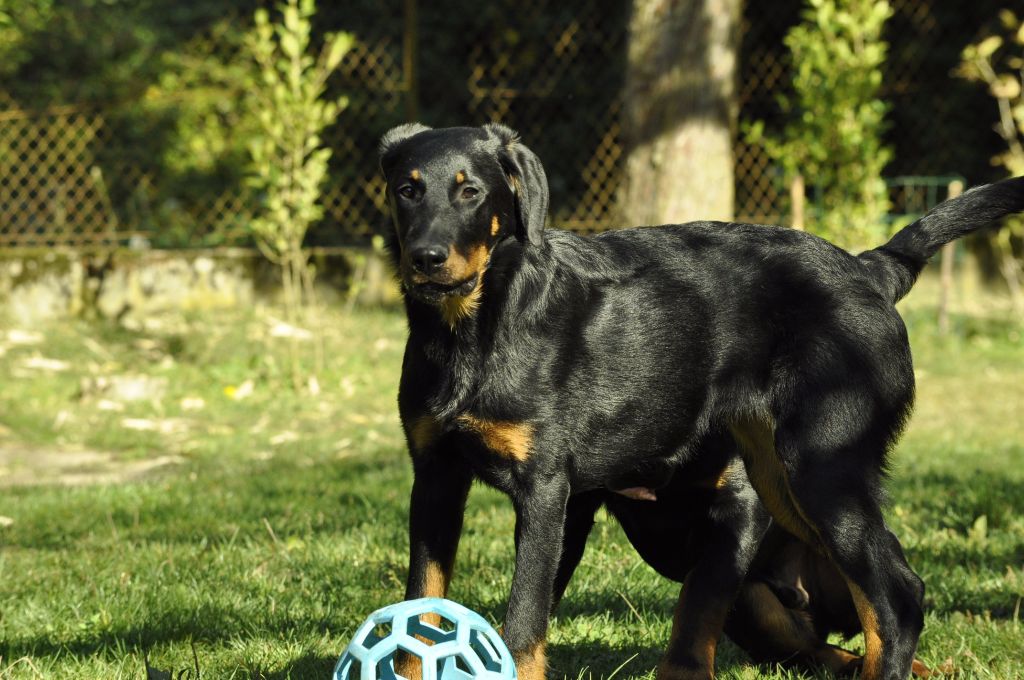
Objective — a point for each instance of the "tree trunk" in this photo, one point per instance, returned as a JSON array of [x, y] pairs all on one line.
[[680, 110]]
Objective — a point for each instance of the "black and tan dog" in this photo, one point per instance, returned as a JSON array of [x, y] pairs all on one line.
[[549, 365]]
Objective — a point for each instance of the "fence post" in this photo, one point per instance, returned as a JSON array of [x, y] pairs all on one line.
[[409, 44], [956, 187], [797, 198]]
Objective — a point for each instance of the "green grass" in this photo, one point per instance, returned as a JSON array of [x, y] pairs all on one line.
[[280, 522]]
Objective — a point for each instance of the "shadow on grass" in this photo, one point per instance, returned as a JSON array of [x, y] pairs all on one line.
[[599, 660], [310, 665]]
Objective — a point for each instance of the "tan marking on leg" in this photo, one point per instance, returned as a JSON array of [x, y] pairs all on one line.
[[435, 584], [769, 478], [508, 439], [722, 479], [873, 647], [703, 634], [415, 174], [408, 666], [460, 177], [436, 580], [787, 634], [776, 623], [756, 438], [422, 432], [495, 226], [837, 660], [531, 664]]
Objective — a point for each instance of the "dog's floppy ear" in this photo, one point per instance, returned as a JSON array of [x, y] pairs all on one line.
[[395, 136], [529, 183]]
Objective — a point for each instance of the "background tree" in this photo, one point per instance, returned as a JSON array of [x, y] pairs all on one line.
[[836, 119], [289, 161], [998, 61], [680, 110]]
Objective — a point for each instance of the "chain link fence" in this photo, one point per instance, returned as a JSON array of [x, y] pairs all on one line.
[[74, 177]]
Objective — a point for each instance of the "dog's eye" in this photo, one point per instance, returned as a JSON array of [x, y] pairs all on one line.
[[470, 192], [406, 191]]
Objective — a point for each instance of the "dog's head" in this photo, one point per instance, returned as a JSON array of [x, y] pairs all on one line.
[[455, 193]]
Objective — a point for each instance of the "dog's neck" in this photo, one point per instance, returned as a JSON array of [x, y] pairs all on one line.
[[497, 321]]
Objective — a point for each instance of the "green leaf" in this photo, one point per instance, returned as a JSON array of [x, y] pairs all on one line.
[[289, 44], [290, 12], [339, 45], [987, 47]]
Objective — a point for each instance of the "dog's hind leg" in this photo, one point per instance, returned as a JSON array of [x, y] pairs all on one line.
[[826, 495], [773, 633], [737, 523]]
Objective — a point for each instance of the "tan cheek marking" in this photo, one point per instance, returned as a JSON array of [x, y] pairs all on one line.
[[454, 308], [531, 664], [422, 432], [495, 226], [511, 440], [415, 174], [461, 267], [460, 177]]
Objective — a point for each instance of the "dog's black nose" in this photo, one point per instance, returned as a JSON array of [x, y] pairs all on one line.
[[428, 259]]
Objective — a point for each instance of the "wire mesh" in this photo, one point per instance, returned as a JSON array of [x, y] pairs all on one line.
[[79, 176]]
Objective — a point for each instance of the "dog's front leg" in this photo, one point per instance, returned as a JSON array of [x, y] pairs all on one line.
[[438, 502], [540, 525], [439, 490]]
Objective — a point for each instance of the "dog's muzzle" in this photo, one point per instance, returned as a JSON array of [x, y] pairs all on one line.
[[428, 290]]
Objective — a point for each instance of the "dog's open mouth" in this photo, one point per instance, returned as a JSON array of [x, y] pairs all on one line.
[[432, 291]]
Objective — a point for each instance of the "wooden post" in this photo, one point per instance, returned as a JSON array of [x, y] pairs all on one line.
[[797, 197], [409, 46], [956, 187]]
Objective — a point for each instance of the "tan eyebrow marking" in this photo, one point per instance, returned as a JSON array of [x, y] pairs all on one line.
[[415, 174], [460, 177]]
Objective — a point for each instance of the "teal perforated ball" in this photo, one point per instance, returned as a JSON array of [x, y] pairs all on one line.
[[461, 647]]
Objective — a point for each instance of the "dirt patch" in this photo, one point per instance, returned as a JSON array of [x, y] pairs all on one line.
[[22, 466]]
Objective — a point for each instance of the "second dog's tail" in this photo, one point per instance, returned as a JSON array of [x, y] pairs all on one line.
[[897, 263]]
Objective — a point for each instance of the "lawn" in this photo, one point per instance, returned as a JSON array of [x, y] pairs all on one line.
[[165, 492]]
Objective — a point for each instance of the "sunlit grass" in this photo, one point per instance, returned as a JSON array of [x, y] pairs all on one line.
[[279, 521]]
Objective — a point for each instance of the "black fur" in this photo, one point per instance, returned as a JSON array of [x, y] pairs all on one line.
[[559, 368]]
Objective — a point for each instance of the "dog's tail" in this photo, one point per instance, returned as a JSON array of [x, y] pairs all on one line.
[[897, 263]]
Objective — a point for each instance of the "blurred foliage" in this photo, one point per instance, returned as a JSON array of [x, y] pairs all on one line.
[[836, 118], [289, 159], [997, 60]]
